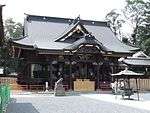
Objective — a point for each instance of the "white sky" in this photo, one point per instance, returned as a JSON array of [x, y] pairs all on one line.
[[88, 9]]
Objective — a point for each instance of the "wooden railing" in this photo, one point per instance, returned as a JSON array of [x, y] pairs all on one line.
[[8, 80], [32, 87], [37, 87], [18, 87], [105, 86], [27, 87]]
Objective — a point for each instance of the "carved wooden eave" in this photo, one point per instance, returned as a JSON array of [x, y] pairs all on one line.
[[115, 54], [87, 44], [17, 45]]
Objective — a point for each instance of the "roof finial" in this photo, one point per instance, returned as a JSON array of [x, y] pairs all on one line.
[[76, 19], [2, 5]]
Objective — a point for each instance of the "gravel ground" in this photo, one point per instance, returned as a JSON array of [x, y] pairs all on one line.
[[67, 104]]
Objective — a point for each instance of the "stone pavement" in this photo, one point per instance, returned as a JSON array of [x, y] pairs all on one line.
[[39, 103], [143, 103]]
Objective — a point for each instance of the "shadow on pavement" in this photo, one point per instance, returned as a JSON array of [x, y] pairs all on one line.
[[21, 108], [13, 100]]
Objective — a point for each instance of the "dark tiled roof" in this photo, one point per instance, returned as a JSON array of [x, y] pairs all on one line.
[[63, 20], [140, 54], [43, 32], [137, 61]]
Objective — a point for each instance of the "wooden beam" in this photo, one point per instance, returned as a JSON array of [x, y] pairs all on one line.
[[19, 52], [137, 89], [13, 51], [51, 76], [98, 76], [70, 72]]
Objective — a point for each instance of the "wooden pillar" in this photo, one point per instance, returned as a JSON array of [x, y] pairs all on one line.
[[19, 52], [139, 84], [86, 70], [13, 52], [116, 86], [129, 87], [98, 77], [29, 75], [51, 76], [70, 73], [137, 88]]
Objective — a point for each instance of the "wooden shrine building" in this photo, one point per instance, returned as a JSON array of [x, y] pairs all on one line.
[[69, 48], [139, 62]]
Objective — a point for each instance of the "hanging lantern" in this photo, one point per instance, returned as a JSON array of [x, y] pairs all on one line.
[[95, 63], [54, 62], [73, 63]]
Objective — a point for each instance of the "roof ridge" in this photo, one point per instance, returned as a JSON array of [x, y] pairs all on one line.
[[65, 20], [138, 58]]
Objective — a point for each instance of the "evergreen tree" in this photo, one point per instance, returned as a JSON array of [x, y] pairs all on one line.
[[137, 13], [13, 29], [134, 12]]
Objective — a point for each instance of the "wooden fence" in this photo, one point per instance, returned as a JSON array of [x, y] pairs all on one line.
[[79, 85], [27, 87], [12, 81], [84, 85], [144, 84]]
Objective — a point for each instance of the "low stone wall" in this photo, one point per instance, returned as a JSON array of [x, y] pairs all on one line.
[[84, 85]]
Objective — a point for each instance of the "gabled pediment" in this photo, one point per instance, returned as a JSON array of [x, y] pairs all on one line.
[[87, 43], [73, 33]]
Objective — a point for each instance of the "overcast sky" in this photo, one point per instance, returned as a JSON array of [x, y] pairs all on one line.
[[88, 9]]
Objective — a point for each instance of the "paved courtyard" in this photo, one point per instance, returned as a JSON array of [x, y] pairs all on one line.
[[86, 103]]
